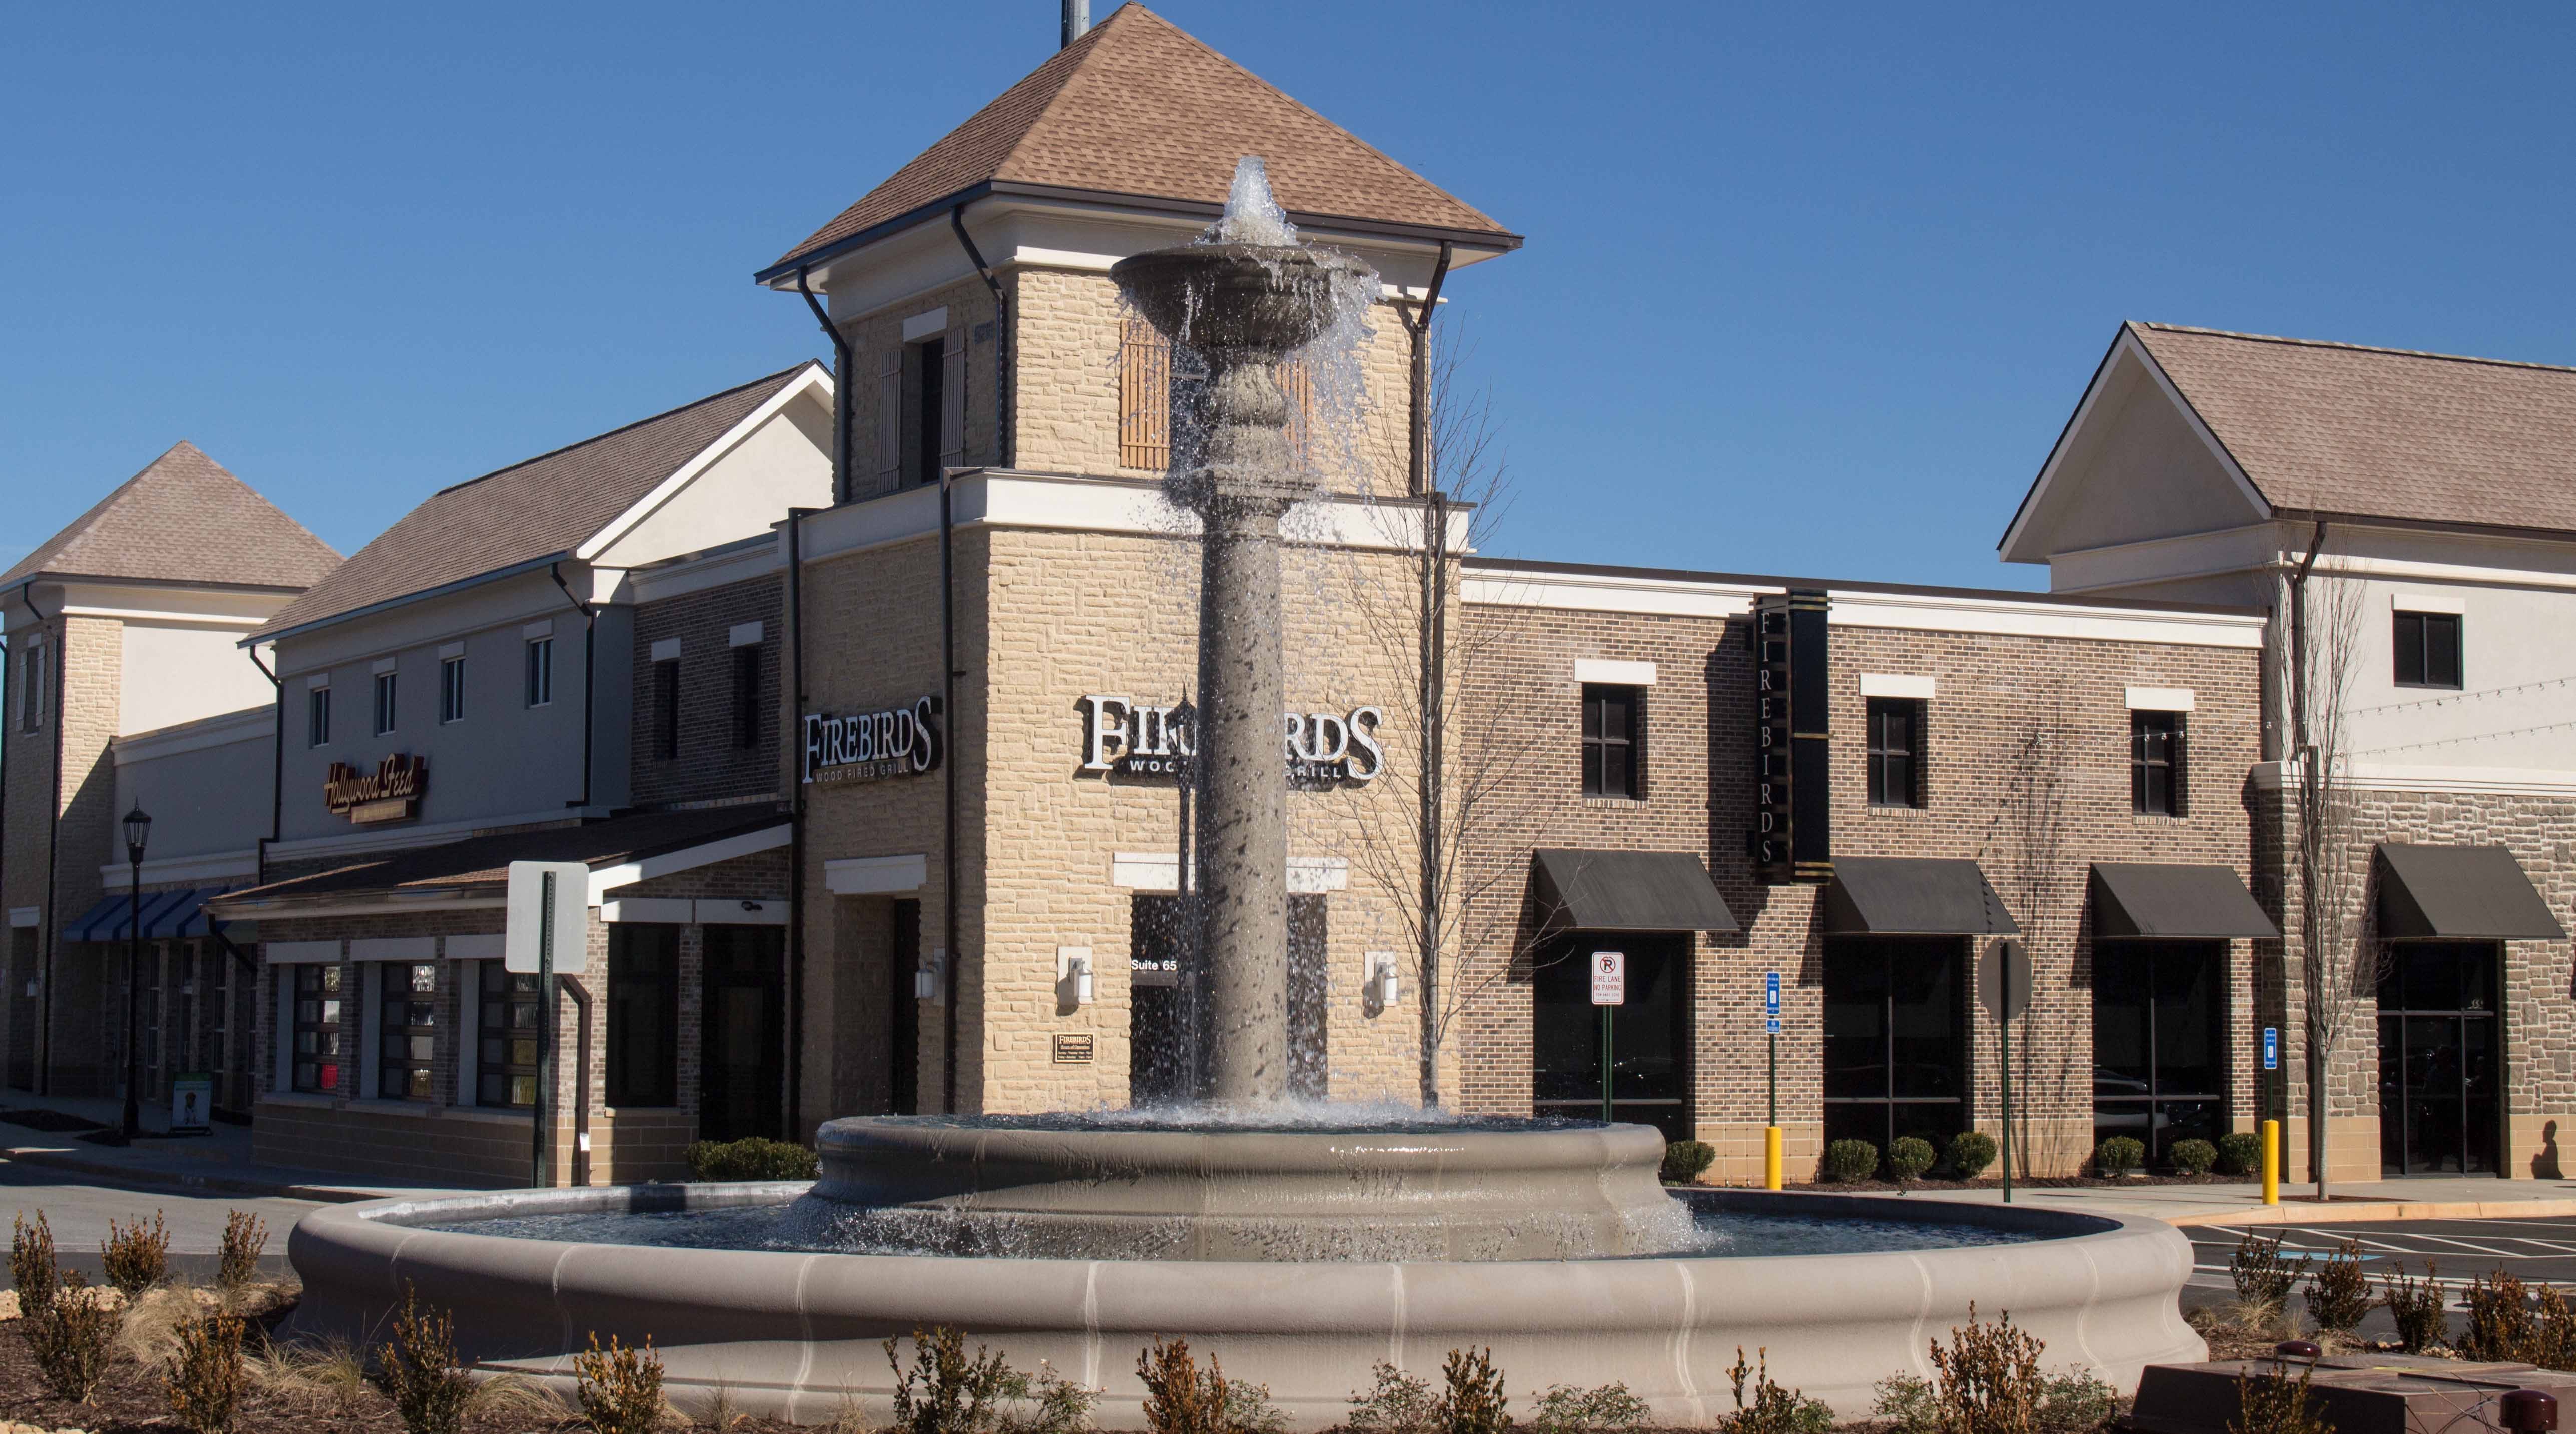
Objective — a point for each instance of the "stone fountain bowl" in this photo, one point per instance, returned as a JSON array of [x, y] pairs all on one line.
[[1266, 298]]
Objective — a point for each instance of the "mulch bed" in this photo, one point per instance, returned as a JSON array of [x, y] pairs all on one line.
[[2050, 1182], [51, 1121]]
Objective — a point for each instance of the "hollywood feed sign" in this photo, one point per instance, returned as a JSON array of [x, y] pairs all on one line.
[[871, 746], [1122, 735], [390, 793]]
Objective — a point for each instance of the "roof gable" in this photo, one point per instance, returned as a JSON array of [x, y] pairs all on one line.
[[1137, 106], [545, 507], [163, 524]]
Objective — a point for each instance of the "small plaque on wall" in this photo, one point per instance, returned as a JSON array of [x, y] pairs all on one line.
[[1073, 1050]]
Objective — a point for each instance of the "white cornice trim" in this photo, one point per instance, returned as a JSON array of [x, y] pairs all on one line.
[[250, 724], [607, 879], [391, 904], [875, 875], [1161, 871], [812, 380], [162, 618], [684, 576], [355, 843], [211, 867], [2465, 781]]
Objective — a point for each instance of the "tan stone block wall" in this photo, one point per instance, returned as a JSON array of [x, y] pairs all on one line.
[[874, 335]]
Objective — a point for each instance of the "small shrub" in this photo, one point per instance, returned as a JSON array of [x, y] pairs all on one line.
[[2272, 1404], [1909, 1156], [1475, 1401], [31, 1265], [1987, 1381], [1247, 1408], [755, 1158], [2338, 1296], [945, 1391], [1971, 1151], [1178, 1398], [1684, 1160], [421, 1375], [136, 1257], [2557, 1336], [1774, 1410], [237, 1261], [1402, 1403], [2262, 1276], [1850, 1160], [2501, 1326], [1610, 1408], [72, 1339], [1906, 1405], [2240, 1152], [2416, 1305], [2076, 1402], [206, 1383], [620, 1389], [2193, 1157], [2118, 1156]]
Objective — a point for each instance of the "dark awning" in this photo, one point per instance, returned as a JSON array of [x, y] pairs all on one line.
[[2156, 899], [112, 919], [1627, 891], [1913, 896], [182, 918], [2463, 893]]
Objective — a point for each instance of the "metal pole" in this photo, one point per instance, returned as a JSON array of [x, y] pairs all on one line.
[[2004, 1025], [542, 1153], [133, 994], [1771, 1172], [1605, 1063]]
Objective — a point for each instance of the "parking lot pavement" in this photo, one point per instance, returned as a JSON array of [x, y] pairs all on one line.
[[2538, 1251], [78, 1214]]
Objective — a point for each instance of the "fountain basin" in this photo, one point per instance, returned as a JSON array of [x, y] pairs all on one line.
[[796, 1334]]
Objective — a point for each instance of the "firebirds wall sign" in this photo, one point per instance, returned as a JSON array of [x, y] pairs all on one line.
[[872, 746], [1322, 749], [390, 793], [1792, 837]]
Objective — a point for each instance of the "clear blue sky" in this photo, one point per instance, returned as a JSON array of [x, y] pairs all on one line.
[[1807, 289]]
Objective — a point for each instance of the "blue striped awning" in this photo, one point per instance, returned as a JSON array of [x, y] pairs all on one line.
[[182, 918], [112, 919]]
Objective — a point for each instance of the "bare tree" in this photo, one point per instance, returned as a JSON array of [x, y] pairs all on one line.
[[2338, 971], [2026, 841], [1423, 855]]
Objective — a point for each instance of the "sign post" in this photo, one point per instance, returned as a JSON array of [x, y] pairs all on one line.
[[1771, 1120], [1609, 990], [546, 930], [2003, 984]]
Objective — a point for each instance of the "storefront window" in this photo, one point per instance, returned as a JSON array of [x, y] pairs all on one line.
[[1648, 1045], [317, 1028], [2439, 1052], [505, 1068], [1895, 1042], [2159, 1034], [643, 1014], [408, 1012]]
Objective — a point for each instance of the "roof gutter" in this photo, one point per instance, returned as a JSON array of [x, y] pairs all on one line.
[[388, 604], [776, 275]]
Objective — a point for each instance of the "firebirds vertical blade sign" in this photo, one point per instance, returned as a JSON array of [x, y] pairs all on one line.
[[1792, 836]]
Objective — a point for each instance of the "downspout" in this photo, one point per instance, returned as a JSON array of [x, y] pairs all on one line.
[[52, 921], [589, 672], [1431, 694], [841, 401], [1001, 340], [948, 832], [2314, 1060], [276, 771], [581, 1082], [796, 821]]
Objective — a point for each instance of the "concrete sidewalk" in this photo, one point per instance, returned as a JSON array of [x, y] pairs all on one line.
[[217, 1163], [2426, 1198]]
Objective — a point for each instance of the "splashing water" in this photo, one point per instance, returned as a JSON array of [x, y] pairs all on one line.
[[1251, 215]]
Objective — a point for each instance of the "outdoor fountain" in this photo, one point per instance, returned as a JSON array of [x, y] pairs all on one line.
[[1301, 1244]]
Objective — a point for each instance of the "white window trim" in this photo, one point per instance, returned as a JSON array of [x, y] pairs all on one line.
[[299, 953], [744, 634], [1896, 684], [927, 325], [1614, 674], [447, 665], [2162, 699], [2456, 604], [544, 627], [667, 650], [384, 664], [875, 875]]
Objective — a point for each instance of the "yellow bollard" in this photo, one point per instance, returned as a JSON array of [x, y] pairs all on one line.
[[2271, 1162], [1770, 1157]]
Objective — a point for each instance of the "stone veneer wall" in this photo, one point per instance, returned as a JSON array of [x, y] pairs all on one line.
[[1993, 693], [710, 767], [86, 677]]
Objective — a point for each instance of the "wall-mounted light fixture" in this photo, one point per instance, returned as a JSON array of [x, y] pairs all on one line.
[[926, 978], [1073, 975], [1383, 984]]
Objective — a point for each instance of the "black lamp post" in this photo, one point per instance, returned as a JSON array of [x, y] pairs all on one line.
[[138, 827]]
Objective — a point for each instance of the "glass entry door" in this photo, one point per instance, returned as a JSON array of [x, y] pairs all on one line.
[[2159, 1026], [2440, 1058], [742, 1061], [1648, 1051], [1895, 1038]]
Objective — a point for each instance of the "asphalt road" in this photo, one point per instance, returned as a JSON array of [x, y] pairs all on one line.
[[2539, 1251], [78, 1215]]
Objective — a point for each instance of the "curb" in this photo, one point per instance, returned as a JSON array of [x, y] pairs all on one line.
[[184, 1179], [2336, 1213]]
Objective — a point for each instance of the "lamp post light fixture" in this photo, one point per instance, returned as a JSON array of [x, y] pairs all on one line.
[[138, 829]]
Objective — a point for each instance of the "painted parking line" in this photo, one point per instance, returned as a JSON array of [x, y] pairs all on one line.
[[2481, 1249]]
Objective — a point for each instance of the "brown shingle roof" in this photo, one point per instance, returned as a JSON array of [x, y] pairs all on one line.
[[485, 860], [528, 511], [1137, 106], [184, 519], [2386, 433]]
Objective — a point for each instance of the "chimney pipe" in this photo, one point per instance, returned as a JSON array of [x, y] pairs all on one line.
[[1077, 18]]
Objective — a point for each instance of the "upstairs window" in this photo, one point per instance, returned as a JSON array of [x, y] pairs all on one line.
[[666, 710], [1895, 752], [384, 703], [1613, 757], [2428, 649], [31, 687], [451, 690], [746, 695], [541, 671], [317, 717], [2157, 764], [930, 408]]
